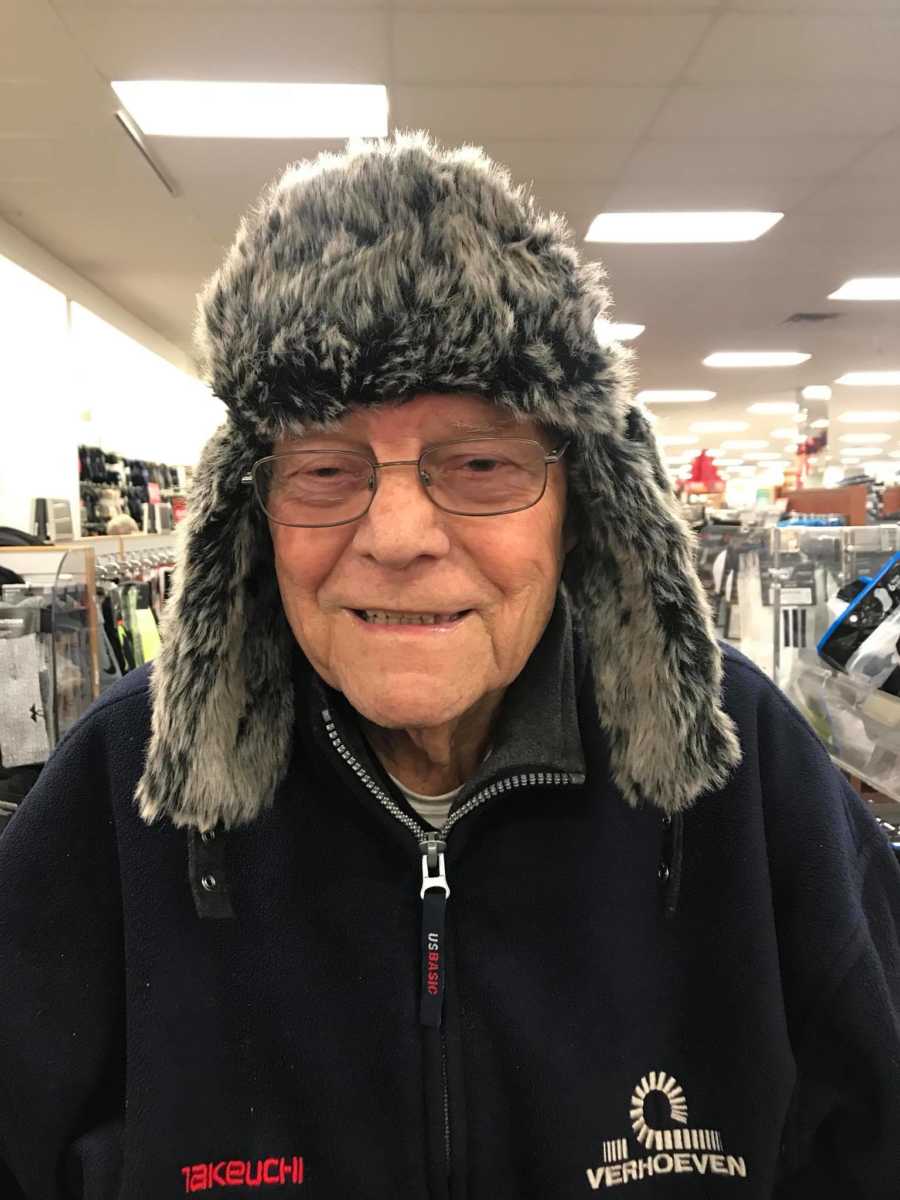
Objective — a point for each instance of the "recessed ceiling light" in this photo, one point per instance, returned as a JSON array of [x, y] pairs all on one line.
[[612, 331], [677, 439], [816, 391], [681, 226], [866, 439], [886, 287], [884, 416], [719, 426], [689, 396], [870, 379], [822, 423], [775, 408], [743, 444], [786, 431], [178, 108], [756, 358]]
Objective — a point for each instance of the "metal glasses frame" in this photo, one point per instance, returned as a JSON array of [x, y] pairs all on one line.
[[550, 457]]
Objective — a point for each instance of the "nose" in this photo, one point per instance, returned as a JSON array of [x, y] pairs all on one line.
[[402, 524]]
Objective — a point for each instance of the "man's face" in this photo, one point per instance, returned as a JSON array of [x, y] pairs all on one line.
[[406, 555]]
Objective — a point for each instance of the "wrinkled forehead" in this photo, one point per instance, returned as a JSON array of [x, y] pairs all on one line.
[[426, 417]]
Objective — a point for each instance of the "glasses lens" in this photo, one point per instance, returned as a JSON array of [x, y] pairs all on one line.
[[314, 487], [486, 476]]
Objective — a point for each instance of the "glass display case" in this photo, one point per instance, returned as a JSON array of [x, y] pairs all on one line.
[[49, 663], [825, 598]]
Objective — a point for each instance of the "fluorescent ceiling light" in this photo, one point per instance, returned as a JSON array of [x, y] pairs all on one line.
[[173, 108], [762, 455], [728, 462], [677, 439], [894, 454], [870, 379], [816, 391], [866, 439], [755, 358], [690, 396], [719, 426], [682, 227], [775, 408], [884, 416], [745, 444], [784, 433], [884, 288], [613, 331], [822, 423]]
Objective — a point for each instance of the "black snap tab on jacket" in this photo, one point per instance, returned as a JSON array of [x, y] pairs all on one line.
[[208, 875], [667, 820], [663, 873]]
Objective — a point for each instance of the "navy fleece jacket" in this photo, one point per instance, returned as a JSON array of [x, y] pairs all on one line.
[[704, 1008]]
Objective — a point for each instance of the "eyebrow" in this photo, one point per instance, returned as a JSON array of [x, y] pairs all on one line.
[[503, 425]]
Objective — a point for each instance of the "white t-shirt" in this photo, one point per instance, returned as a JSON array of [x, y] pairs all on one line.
[[433, 809]]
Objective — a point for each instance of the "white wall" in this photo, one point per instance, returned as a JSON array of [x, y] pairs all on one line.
[[76, 368], [38, 426]]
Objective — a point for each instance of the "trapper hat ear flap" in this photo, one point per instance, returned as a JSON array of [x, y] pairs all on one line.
[[221, 687], [657, 668]]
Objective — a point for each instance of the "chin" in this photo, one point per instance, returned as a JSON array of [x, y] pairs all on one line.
[[407, 707]]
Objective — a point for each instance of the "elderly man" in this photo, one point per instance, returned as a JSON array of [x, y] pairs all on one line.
[[438, 857]]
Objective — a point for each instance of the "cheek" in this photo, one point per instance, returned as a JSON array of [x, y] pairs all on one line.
[[303, 563]]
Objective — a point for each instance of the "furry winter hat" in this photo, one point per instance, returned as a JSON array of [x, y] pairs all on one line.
[[396, 268]]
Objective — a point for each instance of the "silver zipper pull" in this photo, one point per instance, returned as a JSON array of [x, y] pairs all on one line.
[[434, 871]]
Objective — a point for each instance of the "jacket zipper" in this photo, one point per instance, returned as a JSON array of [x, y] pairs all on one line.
[[435, 890]]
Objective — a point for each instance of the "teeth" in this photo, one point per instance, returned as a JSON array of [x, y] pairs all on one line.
[[380, 617]]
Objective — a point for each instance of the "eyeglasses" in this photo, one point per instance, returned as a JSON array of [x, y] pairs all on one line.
[[477, 477]]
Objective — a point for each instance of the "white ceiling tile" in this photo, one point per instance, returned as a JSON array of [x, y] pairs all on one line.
[[578, 203], [797, 158], [883, 163], [253, 161], [852, 193], [103, 158], [837, 111], [262, 7], [558, 160], [561, 8], [821, 7], [757, 48], [572, 47], [475, 114], [289, 45], [693, 193], [36, 109]]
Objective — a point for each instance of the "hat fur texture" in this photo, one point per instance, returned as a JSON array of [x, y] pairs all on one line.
[[366, 278]]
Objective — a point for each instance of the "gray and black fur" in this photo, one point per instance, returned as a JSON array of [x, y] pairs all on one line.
[[365, 278]]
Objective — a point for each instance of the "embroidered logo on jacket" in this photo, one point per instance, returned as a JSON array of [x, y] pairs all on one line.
[[676, 1149], [236, 1172]]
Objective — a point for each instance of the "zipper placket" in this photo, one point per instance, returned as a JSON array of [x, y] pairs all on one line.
[[432, 845]]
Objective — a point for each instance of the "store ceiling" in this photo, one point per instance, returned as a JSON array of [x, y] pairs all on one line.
[[791, 105]]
